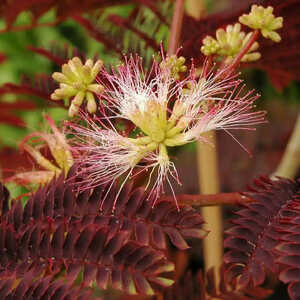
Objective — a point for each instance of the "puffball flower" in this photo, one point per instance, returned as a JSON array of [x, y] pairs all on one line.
[[167, 112]]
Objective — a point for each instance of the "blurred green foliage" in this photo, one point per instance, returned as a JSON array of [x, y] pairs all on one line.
[[20, 61]]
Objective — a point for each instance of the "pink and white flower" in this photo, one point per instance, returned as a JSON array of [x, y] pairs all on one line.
[[167, 112]]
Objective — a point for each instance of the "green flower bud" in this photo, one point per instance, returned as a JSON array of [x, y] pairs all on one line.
[[95, 88], [67, 71], [60, 77], [229, 43], [89, 63], [76, 103], [263, 19], [78, 80], [96, 68], [210, 46], [91, 103], [175, 65]]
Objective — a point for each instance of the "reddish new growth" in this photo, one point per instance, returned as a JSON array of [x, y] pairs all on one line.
[[59, 231]]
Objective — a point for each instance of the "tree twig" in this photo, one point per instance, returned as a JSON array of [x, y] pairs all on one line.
[[176, 26], [200, 200]]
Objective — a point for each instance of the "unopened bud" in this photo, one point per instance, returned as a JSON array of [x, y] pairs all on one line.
[[210, 46], [96, 88], [77, 80], [91, 103], [263, 19], [174, 65]]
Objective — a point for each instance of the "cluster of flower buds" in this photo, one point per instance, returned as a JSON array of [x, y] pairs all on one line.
[[175, 65], [210, 46], [263, 19], [231, 42], [77, 81]]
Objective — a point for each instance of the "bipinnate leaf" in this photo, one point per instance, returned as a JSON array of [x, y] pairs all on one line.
[[41, 86], [8, 116], [147, 225], [197, 286], [4, 195], [289, 246], [265, 230], [45, 288], [61, 231], [10, 10], [141, 32]]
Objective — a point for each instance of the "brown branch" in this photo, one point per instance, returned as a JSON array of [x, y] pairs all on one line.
[[211, 199], [176, 27]]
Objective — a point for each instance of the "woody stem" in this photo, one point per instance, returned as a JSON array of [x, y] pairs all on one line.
[[200, 200], [176, 25]]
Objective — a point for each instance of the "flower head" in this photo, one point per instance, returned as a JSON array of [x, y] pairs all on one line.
[[263, 19], [77, 82], [167, 113], [229, 43]]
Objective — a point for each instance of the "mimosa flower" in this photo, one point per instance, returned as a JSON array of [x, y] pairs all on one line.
[[167, 113]]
